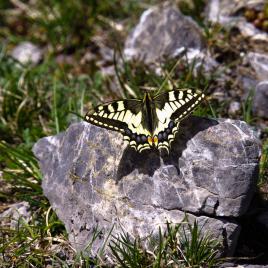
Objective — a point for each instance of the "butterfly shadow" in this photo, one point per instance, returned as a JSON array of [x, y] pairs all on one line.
[[145, 162], [148, 161], [187, 130]]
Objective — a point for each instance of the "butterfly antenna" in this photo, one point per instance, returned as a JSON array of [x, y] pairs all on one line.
[[168, 76], [118, 73]]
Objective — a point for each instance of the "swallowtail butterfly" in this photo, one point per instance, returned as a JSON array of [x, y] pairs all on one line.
[[148, 122]]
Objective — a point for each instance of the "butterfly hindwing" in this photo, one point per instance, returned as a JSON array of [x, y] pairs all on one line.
[[166, 136]]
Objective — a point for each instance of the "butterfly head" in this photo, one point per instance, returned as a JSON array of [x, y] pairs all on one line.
[[147, 97]]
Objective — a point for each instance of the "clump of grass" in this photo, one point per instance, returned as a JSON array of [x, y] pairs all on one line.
[[21, 171], [199, 250], [128, 253], [31, 243], [247, 105], [27, 244], [174, 74], [178, 246], [64, 26], [264, 164], [193, 8], [38, 101]]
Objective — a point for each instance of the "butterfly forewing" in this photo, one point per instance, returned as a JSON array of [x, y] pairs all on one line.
[[124, 116]]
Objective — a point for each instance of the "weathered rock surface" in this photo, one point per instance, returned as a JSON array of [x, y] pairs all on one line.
[[161, 33], [260, 102], [252, 266], [91, 179], [26, 52], [259, 62], [14, 213], [231, 265], [230, 14], [234, 107]]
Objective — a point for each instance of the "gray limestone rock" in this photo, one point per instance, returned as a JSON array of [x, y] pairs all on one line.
[[259, 62], [229, 13], [161, 33], [260, 102], [232, 265], [248, 84], [234, 107], [225, 11], [15, 213], [251, 266], [92, 180]]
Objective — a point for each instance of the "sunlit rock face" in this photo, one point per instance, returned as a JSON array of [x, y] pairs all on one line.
[[162, 32], [93, 180], [231, 14], [260, 101]]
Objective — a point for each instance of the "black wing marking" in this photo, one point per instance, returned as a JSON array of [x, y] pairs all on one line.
[[191, 100], [114, 115], [177, 104], [166, 136]]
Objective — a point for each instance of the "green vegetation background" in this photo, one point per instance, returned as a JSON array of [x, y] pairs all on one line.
[[43, 100]]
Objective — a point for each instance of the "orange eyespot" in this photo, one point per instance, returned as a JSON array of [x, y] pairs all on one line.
[[155, 140], [150, 141]]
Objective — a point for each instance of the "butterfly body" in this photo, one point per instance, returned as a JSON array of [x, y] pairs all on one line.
[[150, 122], [149, 117]]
